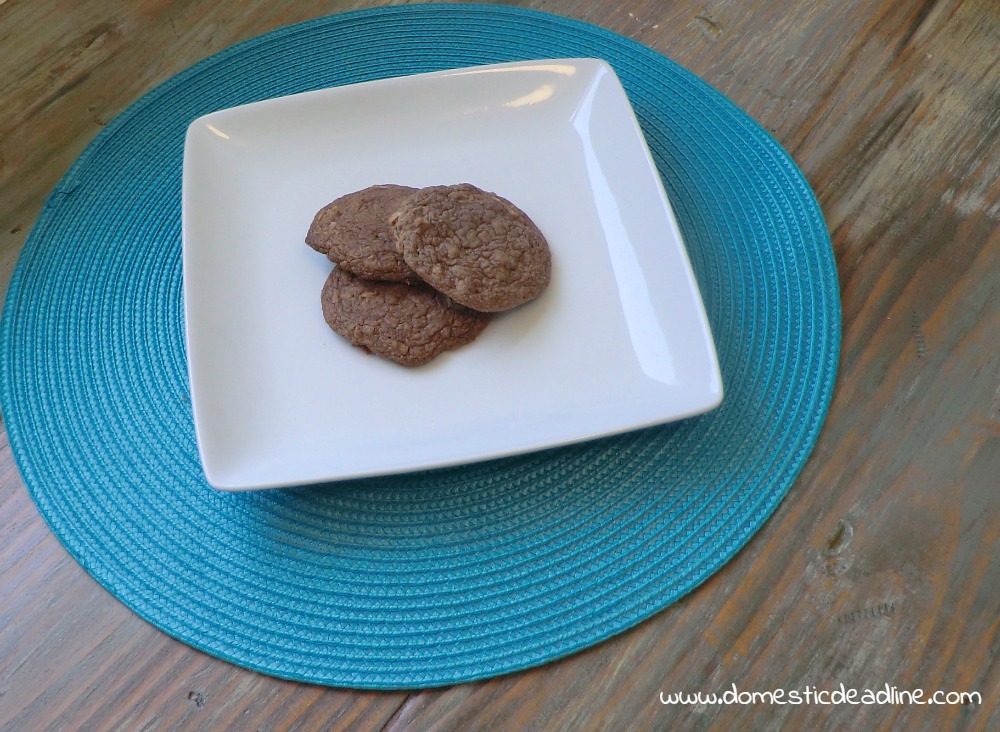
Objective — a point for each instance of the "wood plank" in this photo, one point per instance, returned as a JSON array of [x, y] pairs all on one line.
[[882, 567]]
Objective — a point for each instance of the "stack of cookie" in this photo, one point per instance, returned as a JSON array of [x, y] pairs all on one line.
[[419, 271]]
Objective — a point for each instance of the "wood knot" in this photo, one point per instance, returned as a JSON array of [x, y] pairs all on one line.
[[840, 539], [709, 26]]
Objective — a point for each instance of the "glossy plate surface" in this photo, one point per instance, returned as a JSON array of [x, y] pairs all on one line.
[[618, 341]]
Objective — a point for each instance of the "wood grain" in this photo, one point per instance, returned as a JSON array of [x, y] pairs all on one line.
[[883, 564]]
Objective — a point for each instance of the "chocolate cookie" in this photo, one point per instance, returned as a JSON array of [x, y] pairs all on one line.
[[406, 324], [353, 232], [477, 248]]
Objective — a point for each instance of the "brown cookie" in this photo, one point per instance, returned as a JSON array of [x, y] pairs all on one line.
[[403, 323], [353, 232], [477, 248]]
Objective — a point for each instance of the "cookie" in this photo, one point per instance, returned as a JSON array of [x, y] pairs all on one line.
[[353, 232], [475, 247], [403, 323]]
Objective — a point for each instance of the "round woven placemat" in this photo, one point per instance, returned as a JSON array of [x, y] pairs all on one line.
[[443, 576]]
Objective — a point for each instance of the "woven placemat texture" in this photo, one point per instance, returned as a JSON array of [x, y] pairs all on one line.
[[443, 576]]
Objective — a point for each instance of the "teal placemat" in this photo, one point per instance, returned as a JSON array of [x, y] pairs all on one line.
[[443, 576]]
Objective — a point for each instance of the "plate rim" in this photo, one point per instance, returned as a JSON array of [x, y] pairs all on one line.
[[596, 67]]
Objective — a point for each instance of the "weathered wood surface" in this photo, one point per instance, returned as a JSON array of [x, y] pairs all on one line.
[[883, 564]]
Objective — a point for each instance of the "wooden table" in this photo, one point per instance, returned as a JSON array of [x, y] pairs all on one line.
[[882, 567]]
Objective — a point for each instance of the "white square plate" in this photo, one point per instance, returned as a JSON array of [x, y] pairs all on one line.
[[618, 341]]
